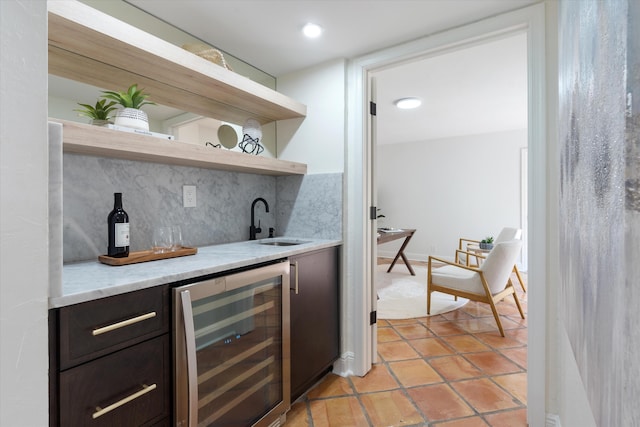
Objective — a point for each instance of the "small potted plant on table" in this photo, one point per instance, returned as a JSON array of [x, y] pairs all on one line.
[[487, 243], [131, 115]]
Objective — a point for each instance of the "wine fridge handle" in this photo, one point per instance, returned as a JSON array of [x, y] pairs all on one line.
[[190, 345], [295, 280]]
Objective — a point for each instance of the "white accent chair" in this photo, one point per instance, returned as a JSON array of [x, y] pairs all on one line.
[[468, 249], [489, 283]]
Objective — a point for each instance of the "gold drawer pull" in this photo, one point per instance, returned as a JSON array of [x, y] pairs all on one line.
[[145, 389], [124, 323]]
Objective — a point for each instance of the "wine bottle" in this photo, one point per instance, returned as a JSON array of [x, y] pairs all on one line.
[[118, 221]]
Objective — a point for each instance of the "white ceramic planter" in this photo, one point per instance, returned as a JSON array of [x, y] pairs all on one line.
[[132, 118]]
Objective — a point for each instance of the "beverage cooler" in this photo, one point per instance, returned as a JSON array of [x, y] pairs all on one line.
[[231, 349]]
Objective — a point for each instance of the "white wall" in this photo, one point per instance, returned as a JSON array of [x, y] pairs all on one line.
[[23, 214], [450, 188], [319, 139]]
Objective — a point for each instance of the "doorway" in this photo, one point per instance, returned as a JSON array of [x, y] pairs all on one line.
[[451, 167], [359, 196]]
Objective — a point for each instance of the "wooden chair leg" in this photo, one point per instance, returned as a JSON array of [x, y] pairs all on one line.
[[515, 297], [515, 270], [496, 316]]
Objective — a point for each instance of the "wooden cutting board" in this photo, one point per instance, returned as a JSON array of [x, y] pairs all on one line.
[[145, 256]]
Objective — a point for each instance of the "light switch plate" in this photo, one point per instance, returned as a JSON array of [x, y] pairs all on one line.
[[189, 196]]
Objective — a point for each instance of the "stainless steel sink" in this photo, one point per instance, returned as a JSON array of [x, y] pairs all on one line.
[[281, 242]]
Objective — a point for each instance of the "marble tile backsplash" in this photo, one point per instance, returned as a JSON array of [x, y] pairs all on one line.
[[152, 197], [310, 205]]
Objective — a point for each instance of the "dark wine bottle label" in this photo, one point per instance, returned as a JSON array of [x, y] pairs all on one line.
[[122, 234]]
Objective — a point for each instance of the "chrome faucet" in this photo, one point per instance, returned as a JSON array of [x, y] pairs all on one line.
[[253, 230]]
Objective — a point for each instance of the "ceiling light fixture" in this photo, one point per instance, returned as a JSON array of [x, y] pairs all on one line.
[[408, 103], [312, 30]]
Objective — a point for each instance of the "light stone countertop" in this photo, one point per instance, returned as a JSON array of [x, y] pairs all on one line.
[[86, 281]]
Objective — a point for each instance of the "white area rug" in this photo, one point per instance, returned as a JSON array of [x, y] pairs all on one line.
[[403, 296]]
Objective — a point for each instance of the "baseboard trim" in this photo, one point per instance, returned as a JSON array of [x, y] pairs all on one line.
[[552, 420], [344, 365]]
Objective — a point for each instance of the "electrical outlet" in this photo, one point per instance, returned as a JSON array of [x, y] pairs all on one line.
[[189, 196]]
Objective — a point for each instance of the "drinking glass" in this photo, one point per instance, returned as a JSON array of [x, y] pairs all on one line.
[[162, 240], [176, 234]]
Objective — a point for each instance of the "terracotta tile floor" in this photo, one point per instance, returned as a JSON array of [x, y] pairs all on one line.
[[449, 370]]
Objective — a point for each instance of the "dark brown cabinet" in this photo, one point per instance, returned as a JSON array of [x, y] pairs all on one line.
[[315, 317], [111, 361]]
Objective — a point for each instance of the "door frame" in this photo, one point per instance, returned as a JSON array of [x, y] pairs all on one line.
[[358, 259]]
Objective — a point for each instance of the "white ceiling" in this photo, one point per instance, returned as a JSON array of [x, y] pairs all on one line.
[[478, 90], [471, 91], [266, 33]]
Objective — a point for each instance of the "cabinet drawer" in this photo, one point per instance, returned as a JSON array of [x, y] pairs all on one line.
[[96, 328], [126, 388]]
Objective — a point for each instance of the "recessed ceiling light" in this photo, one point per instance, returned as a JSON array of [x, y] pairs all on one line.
[[408, 103], [312, 30]]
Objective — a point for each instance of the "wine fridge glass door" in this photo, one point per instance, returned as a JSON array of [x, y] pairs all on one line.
[[235, 331]]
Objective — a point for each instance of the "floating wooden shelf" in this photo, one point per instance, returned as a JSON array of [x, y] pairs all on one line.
[[92, 140], [89, 46]]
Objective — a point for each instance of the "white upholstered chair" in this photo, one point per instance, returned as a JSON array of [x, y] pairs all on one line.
[[489, 283], [466, 251]]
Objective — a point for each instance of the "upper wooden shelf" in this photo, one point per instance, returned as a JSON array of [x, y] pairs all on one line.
[[92, 47], [80, 138]]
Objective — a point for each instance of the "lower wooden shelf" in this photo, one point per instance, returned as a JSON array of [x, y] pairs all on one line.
[[80, 138]]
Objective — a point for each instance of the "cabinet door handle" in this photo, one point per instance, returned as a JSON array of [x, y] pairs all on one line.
[[295, 280], [124, 323], [145, 389]]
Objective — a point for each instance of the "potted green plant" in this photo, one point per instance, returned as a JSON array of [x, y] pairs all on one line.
[[132, 100], [486, 243], [100, 114]]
